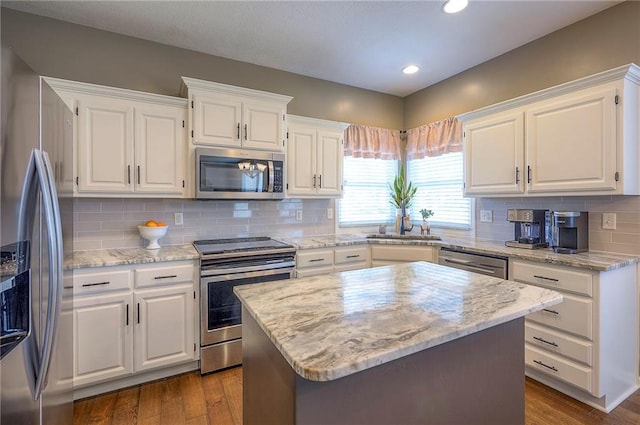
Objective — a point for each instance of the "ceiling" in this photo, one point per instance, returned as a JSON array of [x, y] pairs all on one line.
[[363, 43]]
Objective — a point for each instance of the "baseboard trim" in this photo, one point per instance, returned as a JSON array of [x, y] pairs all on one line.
[[135, 379]]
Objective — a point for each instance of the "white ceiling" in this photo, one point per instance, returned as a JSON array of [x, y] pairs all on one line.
[[363, 43]]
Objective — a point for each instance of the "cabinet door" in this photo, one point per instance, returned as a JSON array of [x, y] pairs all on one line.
[[105, 145], [571, 142], [159, 147], [329, 163], [263, 125], [102, 338], [301, 161], [493, 155], [164, 327], [217, 120]]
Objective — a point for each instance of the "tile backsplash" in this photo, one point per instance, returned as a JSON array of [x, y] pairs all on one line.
[[624, 239], [112, 223]]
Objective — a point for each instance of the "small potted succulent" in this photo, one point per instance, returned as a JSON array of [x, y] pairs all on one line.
[[426, 226]]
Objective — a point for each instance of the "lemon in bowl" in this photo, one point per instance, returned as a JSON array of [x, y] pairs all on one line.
[[152, 231]]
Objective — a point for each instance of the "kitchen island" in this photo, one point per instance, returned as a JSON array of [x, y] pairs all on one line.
[[411, 343]]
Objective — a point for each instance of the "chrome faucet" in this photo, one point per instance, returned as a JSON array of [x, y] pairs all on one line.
[[404, 229]]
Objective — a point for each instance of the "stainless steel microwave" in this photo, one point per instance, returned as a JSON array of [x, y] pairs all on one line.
[[239, 174]]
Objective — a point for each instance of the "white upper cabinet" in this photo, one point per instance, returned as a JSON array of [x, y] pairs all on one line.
[[127, 143], [494, 154], [314, 157], [235, 117], [579, 138], [571, 142]]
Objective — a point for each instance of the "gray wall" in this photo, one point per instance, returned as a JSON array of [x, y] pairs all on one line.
[[600, 42], [65, 50]]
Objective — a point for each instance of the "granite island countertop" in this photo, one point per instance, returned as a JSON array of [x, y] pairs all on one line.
[[331, 326], [119, 256]]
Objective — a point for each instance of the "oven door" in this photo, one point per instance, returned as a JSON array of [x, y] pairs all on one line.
[[221, 310]]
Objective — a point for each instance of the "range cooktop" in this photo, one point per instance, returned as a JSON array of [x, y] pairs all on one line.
[[225, 246]]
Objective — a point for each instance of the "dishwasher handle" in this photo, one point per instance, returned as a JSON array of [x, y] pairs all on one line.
[[464, 265]]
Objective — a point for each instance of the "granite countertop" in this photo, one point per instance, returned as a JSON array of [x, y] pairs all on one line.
[[331, 326], [591, 260], [114, 257]]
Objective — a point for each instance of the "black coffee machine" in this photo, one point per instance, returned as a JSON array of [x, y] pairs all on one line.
[[530, 228], [570, 231]]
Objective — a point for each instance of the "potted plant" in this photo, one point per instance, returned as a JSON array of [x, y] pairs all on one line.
[[426, 226], [402, 194]]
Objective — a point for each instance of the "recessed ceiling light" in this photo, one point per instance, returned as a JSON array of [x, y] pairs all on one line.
[[410, 69], [454, 6]]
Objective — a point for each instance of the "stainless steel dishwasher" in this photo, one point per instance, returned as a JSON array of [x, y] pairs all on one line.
[[491, 265]]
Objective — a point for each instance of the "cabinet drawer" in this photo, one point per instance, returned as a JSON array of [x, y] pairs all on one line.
[[558, 343], [351, 255], [573, 315], [560, 368], [85, 283], [314, 258], [553, 277], [401, 253], [155, 276]]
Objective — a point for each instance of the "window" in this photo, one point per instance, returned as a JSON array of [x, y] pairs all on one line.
[[365, 200], [440, 182]]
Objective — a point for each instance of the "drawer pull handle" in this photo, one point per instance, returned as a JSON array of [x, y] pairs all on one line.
[[546, 278], [315, 260], [547, 366], [545, 341], [138, 313], [353, 256], [84, 285], [550, 311], [169, 276], [127, 324]]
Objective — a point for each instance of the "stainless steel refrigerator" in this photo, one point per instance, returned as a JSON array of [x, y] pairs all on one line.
[[36, 208]]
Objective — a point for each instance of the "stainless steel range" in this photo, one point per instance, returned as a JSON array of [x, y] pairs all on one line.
[[225, 263]]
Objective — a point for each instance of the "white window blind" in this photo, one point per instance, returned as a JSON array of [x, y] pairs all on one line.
[[440, 181], [366, 198]]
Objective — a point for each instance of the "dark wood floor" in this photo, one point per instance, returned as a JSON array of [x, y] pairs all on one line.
[[216, 399]]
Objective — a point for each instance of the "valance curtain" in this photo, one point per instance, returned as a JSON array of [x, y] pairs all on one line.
[[434, 139], [361, 141]]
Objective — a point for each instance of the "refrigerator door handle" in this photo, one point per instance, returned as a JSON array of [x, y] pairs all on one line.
[[54, 235]]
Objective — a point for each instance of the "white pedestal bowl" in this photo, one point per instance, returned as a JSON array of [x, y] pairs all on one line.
[[152, 234]]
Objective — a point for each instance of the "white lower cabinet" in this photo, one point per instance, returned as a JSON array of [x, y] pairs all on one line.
[[102, 338], [312, 262], [383, 254], [164, 332], [131, 319], [586, 346]]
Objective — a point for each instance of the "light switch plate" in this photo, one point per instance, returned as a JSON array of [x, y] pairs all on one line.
[[609, 221], [329, 213], [299, 215], [177, 219], [486, 216]]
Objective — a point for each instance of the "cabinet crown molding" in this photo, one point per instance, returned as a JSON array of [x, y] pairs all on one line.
[[203, 85], [115, 92], [316, 122], [629, 72]]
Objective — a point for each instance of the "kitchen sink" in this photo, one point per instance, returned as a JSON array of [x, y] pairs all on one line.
[[404, 237]]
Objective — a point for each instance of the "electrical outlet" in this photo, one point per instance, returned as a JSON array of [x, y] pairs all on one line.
[[177, 219], [486, 216], [299, 215], [609, 221], [329, 213]]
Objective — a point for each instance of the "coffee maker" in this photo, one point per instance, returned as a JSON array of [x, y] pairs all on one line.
[[530, 228], [570, 231]]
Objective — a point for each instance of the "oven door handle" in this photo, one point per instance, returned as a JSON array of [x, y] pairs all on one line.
[[246, 275], [231, 271]]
